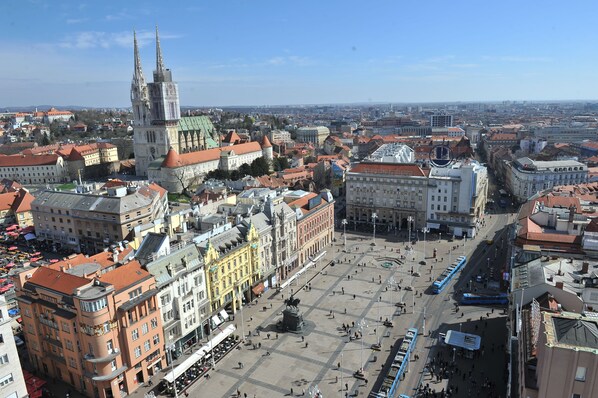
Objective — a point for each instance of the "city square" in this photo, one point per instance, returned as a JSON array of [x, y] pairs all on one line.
[[358, 288]]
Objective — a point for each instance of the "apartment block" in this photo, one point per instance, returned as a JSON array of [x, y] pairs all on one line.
[[12, 381]]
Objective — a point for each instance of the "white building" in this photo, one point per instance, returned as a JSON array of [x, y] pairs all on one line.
[[314, 135], [34, 169], [393, 153], [526, 177], [442, 120], [181, 281], [566, 134], [12, 381], [457, 198], [276, 226], [532, 144], [278, 137]]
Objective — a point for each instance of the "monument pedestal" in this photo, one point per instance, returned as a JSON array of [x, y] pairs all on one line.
[[292, 320]]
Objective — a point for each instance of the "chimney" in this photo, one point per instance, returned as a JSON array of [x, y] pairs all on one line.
[[584, 267], [115, 256], [62, 268], [559, 285]]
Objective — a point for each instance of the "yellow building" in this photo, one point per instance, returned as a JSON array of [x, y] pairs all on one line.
[[232, 266]]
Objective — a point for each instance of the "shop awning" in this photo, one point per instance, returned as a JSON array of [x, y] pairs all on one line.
[[432, 225], [30, 236], [258, 289], [223, 315], [12, 227], [216, 321]]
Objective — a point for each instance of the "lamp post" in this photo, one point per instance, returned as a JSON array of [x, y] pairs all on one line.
[[391, 283], [344, 222], [171, 347], [409, 221], [241, 311], [374, 217], [362, 325], [425, 230], [341, 372]]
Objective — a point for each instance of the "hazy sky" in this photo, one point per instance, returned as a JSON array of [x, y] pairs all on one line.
[[232, 52]]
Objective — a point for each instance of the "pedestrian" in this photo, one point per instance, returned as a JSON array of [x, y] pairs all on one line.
[[302, 338], [292, 391], [353, 297], [268, 335], [303, 392]]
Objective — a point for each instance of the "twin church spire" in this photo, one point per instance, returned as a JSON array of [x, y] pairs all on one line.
[[160, 69]]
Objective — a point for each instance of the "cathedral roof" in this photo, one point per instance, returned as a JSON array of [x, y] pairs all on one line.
[[266, 142], [172, 159]]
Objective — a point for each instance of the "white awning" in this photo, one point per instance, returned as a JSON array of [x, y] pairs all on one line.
[[224, 315], [199, 354], [185, 365], [432, 225], [216, 321]]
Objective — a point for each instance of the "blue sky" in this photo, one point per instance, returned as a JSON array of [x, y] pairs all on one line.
[[233, 52]]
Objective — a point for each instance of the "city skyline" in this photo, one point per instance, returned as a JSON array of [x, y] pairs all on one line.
[[242, 53]]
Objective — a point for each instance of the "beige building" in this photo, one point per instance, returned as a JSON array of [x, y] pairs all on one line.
[[15, 208], [567, 354], [12, 382], [315, 135], [393, 191], [89, 222], [29, 169]]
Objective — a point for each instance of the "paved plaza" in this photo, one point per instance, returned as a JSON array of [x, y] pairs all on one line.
[[353, 291]]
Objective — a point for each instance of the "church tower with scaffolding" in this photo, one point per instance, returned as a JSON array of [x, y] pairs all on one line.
[[156, 111]]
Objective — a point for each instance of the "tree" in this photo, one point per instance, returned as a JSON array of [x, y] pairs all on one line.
[[45, 140], [187, 179], [244, 170], [218, 175], [280, 163], [260, 167]]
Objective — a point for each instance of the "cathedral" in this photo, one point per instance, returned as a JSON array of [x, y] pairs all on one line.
[[177, 152], [157, 121]]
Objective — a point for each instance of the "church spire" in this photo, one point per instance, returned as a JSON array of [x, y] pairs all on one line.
[[138, 76], [159, 61]]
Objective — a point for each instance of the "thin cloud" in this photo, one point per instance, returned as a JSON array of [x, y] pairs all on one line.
[[73, 21], [122, 14], [465, 66], [94, 39], [515, 58]]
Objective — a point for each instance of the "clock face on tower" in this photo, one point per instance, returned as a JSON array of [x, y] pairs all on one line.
[[441, 156]]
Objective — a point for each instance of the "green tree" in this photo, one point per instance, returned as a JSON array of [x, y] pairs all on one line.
[[280, 163], [45, 140], [245, 170], [260, 167]]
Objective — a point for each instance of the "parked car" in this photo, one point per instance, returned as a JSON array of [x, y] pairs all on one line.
[[19, 342]]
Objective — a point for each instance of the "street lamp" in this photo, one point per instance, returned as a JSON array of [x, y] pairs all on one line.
[[425, 230], [391, 283], [345, 222], [241, 311], [362, 325], [170, 348], [409, 221], [374, 217], [341, 372]]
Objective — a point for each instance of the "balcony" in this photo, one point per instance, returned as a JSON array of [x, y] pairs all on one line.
[[48, 322], [93, 359], [96, 377]]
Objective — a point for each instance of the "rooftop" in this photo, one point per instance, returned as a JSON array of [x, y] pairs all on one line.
[[571, 331]]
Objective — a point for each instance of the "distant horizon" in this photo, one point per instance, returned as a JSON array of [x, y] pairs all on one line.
[[45, 107], [239, 53]]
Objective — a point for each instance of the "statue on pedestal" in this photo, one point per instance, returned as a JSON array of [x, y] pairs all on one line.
[[292, 318]]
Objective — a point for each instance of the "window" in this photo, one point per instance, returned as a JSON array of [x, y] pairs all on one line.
[[154, 323], [156, 339], [6, 380], [580, 375], [135, 293], [93, 306], [109, 347], [4, 359], [137, 352], [135, 334], [144, 328], [147, 346], [113, 364]]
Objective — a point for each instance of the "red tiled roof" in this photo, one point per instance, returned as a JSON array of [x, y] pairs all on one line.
[[390, 168], [232, 137], [503, 137], [266, 142], [25, 160], [174, 159], [57, 280], [125, 275]]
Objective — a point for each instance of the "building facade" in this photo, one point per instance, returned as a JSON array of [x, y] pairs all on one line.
[[12, 381], [457, 198], [315, 226], [527, 177], [178, 172], [98, 330], [232, 264], [90, 222], [182, 292], [395, 192], [441, 120], [29, 169], [315, 135], [15, 208]]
